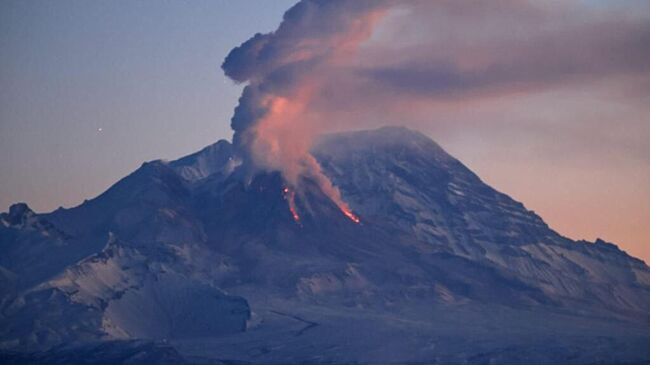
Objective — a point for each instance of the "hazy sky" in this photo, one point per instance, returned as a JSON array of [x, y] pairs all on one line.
[[146, 73], [91, 89]]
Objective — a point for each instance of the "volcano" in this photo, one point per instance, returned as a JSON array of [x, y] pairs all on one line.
[[198, 261]]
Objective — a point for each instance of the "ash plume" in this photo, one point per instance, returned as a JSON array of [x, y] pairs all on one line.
[[285, 71], [348, 64]]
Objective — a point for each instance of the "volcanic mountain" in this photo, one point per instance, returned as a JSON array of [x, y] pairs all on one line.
[[195, 260]]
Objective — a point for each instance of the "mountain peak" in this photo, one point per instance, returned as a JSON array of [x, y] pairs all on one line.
[[197, 241], [18, 214], [380, 138], [214, 158]]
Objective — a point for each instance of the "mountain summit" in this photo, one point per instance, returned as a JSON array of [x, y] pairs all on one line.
[[211, 264]]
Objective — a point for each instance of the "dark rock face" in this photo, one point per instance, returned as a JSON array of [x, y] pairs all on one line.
[[18, 215], [202, 253], [108, 353]]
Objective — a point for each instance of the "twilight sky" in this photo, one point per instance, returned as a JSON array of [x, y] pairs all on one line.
[[548, 101]]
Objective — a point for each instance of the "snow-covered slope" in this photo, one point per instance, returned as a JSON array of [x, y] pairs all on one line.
[[204, 254], [405, 180]]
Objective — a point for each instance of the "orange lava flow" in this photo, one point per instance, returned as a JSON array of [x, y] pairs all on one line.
[[290, 196], [350, 215]]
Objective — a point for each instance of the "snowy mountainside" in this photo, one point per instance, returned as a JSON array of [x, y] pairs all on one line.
[[410, 182], [127, 291], [195, 252]]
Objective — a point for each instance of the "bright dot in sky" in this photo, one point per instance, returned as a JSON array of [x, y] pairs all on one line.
[[99, 129]]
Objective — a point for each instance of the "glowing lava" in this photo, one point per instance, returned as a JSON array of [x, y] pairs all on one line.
[[351, 216], [290, 196]]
